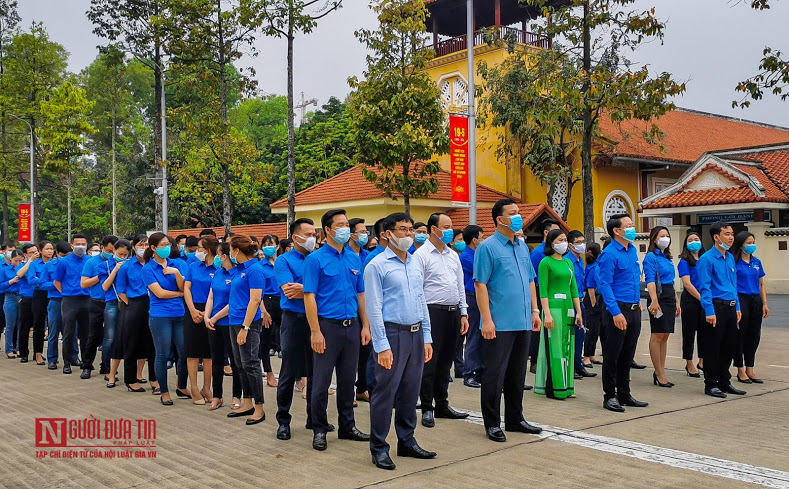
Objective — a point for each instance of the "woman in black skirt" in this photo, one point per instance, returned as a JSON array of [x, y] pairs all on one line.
[[659, 275], [197, 284], [123, 250]]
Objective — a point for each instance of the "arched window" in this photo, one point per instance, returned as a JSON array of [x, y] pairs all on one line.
[[617, 202]]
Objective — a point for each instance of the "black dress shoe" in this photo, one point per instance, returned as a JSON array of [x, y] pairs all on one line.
[[283, 432], [495, 434], [85, 373], [182, 395], [756, 380], [730, 389], [414, 451], [632, 402], [168, 402], [715, 392], [588, 365], [613, 405], [635, 365], [472, 383], [523, 427], [354, 434], [428, 421], [238, 414], [319, 441], [528, 387], [597, 362], [450, 413], [383, 461], [66, 369], [250, 422], [584, 373], [329, 429], [52, 366], [577, 376], [23, 360]]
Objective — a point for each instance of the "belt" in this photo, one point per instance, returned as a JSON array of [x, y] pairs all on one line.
[[138, 299], [339, 322], [628, 306], [723, 302], [97, 300], [405, 327], [295, 314], [442, 307]]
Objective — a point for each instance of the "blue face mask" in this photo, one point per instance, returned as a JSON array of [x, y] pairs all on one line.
[[362, 240], [183, 248], [269, 251], [447, 235], [190, 255], [164, 252], [119, 259], [516, 223], [630, 234], [233, 260], [694, 246], [420, 238], [217, 262], [342, 235], [107, 256], [459, 246], [750, 249]]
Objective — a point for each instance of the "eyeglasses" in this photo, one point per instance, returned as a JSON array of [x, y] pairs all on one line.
[[404, 229]]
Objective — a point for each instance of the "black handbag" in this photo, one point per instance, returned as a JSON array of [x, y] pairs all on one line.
[[658, 286]]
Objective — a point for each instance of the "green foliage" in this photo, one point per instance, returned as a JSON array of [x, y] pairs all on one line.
[[261, 120], [65, 126], [396, 116], [773, 75]]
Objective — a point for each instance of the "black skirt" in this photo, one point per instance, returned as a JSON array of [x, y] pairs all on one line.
[[196, 336], [668, 304]]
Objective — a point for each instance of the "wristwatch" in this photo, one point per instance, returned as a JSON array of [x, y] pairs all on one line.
[[246, 328], [535, 310]]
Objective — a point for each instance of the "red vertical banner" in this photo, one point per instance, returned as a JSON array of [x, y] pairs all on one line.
[[24, 223], [458, 157]]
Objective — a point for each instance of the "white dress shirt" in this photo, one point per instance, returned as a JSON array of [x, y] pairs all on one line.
[[443, 275]]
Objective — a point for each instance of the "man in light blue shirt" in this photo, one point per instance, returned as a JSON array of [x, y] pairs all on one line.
[[400, 328], [507, 300]]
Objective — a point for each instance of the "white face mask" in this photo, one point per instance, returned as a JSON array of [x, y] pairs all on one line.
[[94, 253], [402, 244], [663, 242], [139, 251], [580, 248], [309, 243], [560, 248], [200, 255]]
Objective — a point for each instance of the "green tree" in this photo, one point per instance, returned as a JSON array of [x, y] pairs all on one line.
[[261, 120], [10, 165], [396, 116]]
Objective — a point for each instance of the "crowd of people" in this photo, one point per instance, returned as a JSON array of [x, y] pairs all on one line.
[[393, 318]]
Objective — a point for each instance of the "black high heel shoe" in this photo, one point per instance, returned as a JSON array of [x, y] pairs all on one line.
[[698, 366], [696, 375], [141, 389], [655, 381], [168, 402], [182, 395]]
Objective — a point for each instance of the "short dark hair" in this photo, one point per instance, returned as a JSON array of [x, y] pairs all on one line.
[[27, 246], [390, 221], [498, 208], [79, 236], [552, 235], [109, 239], [573, 235], [614, 223], [433, 219], [547, 223], [378, 227], [123, 243], [180, 237], [355, 222], [593, 250], [471, 233], [192, 241], [716, 228], [297, 224], [63, 247], [419, 224], [207, 231], [328, 218]]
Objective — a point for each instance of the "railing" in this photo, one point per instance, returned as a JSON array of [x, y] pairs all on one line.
[[458, 44]]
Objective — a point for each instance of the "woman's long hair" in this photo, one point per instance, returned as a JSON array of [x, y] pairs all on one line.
[[653, 241], [686, 254]]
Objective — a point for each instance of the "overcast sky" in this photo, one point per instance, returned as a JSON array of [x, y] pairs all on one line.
[[711, 44]]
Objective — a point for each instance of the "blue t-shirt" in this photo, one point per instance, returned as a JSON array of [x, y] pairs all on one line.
[[684, 269], [69, 274], [270, 287], [579, 271], [289, 269], [618, 276], [748, 275], [537, 255], [199, 276], [7, 273], [91, 269], [467, 262], [153, 273], [25, 287], [717, 279], [220, 290], [590, 277], [99, 267], [129, 280], [249, 275], [45, 281], [335, 279], [36, 273], [656, 265]]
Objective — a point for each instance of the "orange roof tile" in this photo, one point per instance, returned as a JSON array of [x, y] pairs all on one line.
[[279, 229], [351, 185], [689, 134], [529, 212]]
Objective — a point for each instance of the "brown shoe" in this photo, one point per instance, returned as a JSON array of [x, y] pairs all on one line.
[[364, 397]]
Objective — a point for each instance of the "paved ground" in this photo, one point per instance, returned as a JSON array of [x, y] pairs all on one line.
[[683, 439]]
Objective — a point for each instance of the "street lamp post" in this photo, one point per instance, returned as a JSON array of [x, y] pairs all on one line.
[[32, 178]]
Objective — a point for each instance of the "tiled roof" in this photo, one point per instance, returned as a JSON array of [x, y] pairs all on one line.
[[279, 229], [775, 164], [689, 134], [351, 185], [529, 212]]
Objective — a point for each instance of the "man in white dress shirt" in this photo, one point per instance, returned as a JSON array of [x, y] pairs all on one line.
[[446, 302]]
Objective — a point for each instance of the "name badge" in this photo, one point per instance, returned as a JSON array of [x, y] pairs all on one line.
[[560, 296]]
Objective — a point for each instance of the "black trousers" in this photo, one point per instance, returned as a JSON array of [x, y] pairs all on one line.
[[296, 363], [96, 335], [267, 335], [693, 320], [219, 342], [445, 329], [592, 321], [619, 348], [342, 354], [272, 303], [720, 346], [137, 339], [25, 325], [76, 314], [398, 389], [505, 372], [750, 331]]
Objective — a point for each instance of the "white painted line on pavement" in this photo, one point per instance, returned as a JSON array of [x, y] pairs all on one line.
[[779, 366], [675, 458]]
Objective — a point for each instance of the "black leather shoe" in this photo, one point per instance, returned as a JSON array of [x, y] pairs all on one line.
[[472, 383], [414, 451], [450, 413], [85, 374], [635, 365], [23, 360], [715, 392], [354, 435], [613, 405], [319, 441], [584, 373], [495, 434], [577, 376], [182, 395], [250, 422], [730, 389], [756, 380], [528, 387], [168, 402], [52, 366], [283, 432], [383, 461], [523, 427], [428, 421], [66, 369], [330, 428], [746, 381], [632, 402], [238, 414]]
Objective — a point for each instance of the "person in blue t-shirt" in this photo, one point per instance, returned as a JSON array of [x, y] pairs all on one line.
[[575, 255], [75, 305], [690, 303], [593, 305], [473, 236], [269, 338], [54, 316], [165, 282], [753, 304], [9, 286], [40, 299], [420, 236], [112, 346], [26, 288]]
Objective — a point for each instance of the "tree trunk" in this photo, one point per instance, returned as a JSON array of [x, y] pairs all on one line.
[[406, 194], [157, 138], [68, 205], [291, 128], [114, 186], [33, 180], [586, 147], [5, 216], [227, 197], [570, 184]]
